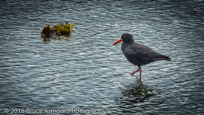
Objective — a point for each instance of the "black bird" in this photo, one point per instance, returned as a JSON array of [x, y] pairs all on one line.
[[138, 54]]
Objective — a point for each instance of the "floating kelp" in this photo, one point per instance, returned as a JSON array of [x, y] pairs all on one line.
[[48, 33], [62, 29]]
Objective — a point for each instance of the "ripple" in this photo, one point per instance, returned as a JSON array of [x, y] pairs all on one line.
[[86, 71]]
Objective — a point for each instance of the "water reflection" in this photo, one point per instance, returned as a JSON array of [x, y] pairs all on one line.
[[135, 93], [137, 96], [58, 39]]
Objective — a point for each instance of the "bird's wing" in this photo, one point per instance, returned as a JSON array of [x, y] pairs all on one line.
[[140, 55]]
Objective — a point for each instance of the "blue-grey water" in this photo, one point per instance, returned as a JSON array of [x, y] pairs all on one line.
[[85, 71]]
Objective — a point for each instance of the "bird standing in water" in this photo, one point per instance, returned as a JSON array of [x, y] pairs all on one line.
[[138, 54]]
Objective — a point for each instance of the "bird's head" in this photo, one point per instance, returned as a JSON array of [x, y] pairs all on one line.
[[126, 37]]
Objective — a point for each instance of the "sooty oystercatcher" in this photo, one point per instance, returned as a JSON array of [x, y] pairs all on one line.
[[138, 54]]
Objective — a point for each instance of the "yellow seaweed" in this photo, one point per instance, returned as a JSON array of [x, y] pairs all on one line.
[[61, 29]]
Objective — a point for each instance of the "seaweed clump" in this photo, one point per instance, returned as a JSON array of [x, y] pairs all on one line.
[[61, 29]]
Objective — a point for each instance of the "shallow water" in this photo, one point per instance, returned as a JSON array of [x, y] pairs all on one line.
[[85, 71]]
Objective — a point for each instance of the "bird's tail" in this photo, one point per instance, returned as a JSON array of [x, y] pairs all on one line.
[[167, 58], [163, 57]]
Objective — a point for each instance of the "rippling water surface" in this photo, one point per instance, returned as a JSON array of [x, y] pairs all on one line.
[[85, 71]]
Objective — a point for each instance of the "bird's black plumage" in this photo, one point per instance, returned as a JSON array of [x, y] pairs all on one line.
[[138, 54]]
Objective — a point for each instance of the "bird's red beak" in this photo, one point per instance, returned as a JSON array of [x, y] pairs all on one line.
[[120, 40]]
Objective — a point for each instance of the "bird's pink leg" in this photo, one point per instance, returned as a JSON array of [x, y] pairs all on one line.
[[132, 73], [140, 73], [140, 70]]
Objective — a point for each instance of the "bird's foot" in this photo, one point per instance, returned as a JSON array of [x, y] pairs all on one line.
[[132, 73], [139, 81], [137, 78]]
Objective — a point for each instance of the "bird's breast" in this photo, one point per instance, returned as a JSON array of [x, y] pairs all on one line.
[[124, 47]]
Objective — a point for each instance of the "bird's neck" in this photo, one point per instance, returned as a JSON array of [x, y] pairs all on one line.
[[126, 45]]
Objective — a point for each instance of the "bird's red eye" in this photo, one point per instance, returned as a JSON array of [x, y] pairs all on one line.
[[124, 36]]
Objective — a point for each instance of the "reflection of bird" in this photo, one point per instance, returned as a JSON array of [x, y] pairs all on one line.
[[138, 54]]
